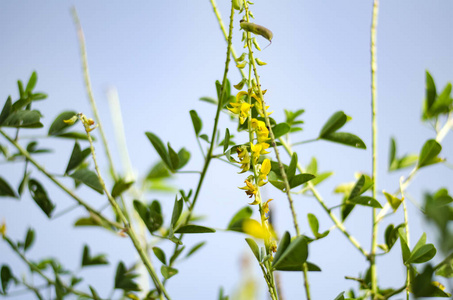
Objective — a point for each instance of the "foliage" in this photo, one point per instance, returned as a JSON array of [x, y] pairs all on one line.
[[260, 163]]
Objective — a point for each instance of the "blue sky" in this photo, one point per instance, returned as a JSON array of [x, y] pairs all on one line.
[[162, 57]]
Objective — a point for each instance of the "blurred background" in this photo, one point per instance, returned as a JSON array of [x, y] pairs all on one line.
[[162, 57]]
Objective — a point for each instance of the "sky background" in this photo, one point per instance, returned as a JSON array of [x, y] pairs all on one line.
[[163, 56]]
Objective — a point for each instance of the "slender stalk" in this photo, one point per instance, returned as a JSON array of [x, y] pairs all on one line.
[[209, 155], [222, 27], [305, 142], [445, 129], [59, 184], [408, 274], [128, 227], [34, 268], [274, 144], [86, 76], [374, 289], [318, 197]]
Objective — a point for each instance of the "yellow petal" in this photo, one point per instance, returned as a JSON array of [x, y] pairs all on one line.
[[253, 228]]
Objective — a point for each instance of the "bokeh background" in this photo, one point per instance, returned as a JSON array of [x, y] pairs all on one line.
[[163, 56]]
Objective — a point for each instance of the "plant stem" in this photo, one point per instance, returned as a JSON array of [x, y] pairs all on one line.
[[374, 289], [274, 144], [209, 155], [305, 142], [318, 197], [408, 274], [58, 183], [34, 268], [86, 76], [222, 27], [128, 227]]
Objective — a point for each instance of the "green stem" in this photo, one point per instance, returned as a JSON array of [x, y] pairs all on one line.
[[374, 289], [34, 268], [58, 183], [209, 155], [406, 222], [222, 27], [86, 76], [318, 197], [128, 227]]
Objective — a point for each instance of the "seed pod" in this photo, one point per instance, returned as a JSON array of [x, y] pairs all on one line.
[[241, 58], [257, 29], [240, 85], [237, 4], [241, 65], [260, 62]]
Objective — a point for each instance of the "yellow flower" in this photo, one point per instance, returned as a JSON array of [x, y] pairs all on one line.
[[3, 229], [265, 206], [241, 109], [264, 171], [250, 188], [244, 158], [255, 150]]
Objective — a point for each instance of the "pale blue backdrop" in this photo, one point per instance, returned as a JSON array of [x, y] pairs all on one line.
[[163, 56]]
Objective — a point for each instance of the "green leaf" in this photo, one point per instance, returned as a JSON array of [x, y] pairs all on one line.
[[431, 93], [446, 269], [158, 171], [314, 224], [184, 157], [74, 135], [77, 157], [168, 272], [160, 148], [194, 229], [357, 190], [294, 256], [428, 154], [94, 293], [196, 121], [335, 122], [280, 130], [345, 138], [423, 254], [88, 178], [195, 248], [292, 167], [284, 243], [124, 279], [177, 210], [23, 119], [392, 200], [205, 138], [300, 179], [29, 239], [58, 125], [160, 254], [235, 223], [226, 141], [39, 194], [174, 159], [423, 286], [254, 247], [88, 260], [151, 216], [404, 246], [88, 222], [320, 177], [312, 267], [340, 296], [273, 179], [6, 190], [6, 276], [392, 153], [209, 100], [365, 201], [31, 83], [120, 187], [6, 110], [391, 235]]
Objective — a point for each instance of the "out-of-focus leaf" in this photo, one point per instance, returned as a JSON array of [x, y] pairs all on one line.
[[88, 178], [6, 190], [39, 194]]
